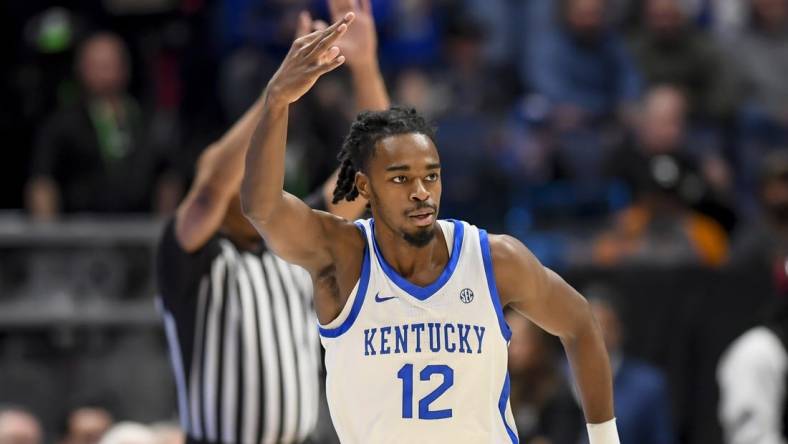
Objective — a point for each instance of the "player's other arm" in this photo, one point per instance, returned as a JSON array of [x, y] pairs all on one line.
[[360, 48], [545, 298], [293, 230]]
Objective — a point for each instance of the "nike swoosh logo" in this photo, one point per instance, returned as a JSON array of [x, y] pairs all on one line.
[[380, 299]]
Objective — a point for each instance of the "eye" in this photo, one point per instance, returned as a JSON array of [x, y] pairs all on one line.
[[399, 179], [432, 177]]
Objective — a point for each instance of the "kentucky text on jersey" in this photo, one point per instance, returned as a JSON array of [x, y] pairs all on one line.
[[423, 338]]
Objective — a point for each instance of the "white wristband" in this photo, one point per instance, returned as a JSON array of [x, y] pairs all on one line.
[[603, 433]]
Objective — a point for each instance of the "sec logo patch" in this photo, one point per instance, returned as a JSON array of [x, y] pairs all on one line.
[[466, 295]]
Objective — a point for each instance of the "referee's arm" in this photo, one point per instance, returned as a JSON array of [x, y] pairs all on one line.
[[219, 173]]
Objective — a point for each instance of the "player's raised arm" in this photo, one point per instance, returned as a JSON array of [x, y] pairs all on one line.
[[545, 298], [288, 225]]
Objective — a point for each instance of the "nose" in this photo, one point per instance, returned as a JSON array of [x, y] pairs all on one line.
[[419, 192]]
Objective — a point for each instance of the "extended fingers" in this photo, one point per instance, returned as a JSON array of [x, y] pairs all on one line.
[[330, 35]]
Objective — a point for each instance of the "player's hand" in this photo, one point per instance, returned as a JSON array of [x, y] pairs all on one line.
[[360, 43], [307, 25], [310, 56]]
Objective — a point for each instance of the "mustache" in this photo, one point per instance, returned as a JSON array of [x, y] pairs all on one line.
[[422, 206]]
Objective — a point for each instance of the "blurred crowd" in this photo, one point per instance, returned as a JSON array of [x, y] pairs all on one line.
[[600, 132], [83, 425]]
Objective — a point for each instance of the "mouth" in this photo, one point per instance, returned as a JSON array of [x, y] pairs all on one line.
[[423, 218]]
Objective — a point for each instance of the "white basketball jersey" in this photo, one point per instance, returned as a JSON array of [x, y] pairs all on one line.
[[411, 364]]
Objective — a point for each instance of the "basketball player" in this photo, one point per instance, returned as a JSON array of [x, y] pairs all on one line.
[[410, 307], [239, 322]]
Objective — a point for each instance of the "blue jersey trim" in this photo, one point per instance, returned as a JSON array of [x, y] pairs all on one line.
[[488, 271], [503, 401], [418, 292], [363, 281]]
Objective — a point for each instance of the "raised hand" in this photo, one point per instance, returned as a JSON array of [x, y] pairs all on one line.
[[307, 25], [310, 56], [360, 43]]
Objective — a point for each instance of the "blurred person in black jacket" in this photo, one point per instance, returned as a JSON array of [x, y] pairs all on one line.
[[661, 129], [94, 156], [676, 213]]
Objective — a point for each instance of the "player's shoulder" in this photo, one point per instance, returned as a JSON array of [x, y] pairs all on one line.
[[342, 232], [505, 248], [513, 265]]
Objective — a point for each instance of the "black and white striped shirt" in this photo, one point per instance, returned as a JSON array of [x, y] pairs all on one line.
[[243, 342]]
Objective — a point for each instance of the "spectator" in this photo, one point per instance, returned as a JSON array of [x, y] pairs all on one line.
[[761, 58], [467, 74], [415, 88], [86, 425], [670, 50], [640, 392], [764, 243], [93, 156], [129, 433], [18, 426], [409, 32], [661, 128], [661, 226], [751, 375], [541, 399], [582, 66]]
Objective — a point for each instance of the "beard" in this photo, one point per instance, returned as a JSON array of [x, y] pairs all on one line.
[[420, 238]]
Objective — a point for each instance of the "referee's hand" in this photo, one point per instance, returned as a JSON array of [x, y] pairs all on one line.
[[310, 56]]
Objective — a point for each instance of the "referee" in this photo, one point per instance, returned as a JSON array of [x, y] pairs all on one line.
[[239, 321]]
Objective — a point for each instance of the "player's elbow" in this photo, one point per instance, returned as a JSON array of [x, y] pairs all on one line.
[[256, 208], [582, 324], [250, 208]]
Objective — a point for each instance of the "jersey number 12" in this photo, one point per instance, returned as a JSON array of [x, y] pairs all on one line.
[[406, 375]]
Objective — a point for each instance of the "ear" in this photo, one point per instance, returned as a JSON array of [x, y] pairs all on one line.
[[362, 185]]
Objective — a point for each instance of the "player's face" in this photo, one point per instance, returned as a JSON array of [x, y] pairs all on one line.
[[403, 186]]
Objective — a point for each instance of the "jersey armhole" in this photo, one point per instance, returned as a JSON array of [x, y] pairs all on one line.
[[350, 311], [492, 286]]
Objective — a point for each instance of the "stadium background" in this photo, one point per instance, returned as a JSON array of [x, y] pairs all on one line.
[[635, 146]]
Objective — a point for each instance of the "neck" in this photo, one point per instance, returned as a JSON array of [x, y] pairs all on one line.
[[420, 265]]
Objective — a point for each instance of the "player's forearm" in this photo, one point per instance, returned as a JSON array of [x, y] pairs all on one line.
[[586, 351], [263, 180], [369, 87]]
